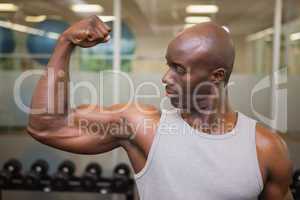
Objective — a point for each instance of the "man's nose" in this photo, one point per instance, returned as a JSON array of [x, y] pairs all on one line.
[[166, 79]]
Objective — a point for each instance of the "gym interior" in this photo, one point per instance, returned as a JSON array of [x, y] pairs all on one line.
[[263, 84]]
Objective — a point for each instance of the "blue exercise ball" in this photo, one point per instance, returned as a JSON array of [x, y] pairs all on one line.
[[7, 42], [37, 44]]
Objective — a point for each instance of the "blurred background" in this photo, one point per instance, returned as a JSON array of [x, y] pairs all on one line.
[[266, 36]]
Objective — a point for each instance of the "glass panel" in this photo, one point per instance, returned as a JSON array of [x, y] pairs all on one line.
[[291, 49], [291, 31]]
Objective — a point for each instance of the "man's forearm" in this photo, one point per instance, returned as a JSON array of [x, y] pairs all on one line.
[[51, 93]]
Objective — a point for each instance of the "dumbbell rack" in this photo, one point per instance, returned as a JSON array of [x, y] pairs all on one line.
[[36, 183], [38, 195]]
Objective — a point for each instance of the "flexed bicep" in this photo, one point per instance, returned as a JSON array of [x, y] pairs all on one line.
[[87, 130]]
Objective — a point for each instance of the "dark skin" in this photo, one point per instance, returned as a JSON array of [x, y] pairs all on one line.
[[203, 53]]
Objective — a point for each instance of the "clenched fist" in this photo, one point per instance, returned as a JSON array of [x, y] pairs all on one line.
[[87, 32]]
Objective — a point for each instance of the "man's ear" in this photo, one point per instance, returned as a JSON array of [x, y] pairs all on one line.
[[218, 75]]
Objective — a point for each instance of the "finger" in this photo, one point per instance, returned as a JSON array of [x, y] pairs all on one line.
[[107, 27], [103, 30], [80, 36], [99, 27], [100, 35], [103, 25], [88, 44], [95, 35]]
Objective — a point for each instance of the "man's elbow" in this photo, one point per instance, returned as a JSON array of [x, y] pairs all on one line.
[[36, 134], [39, 127]]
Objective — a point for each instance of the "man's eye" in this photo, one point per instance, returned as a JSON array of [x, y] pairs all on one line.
[[179, 69]]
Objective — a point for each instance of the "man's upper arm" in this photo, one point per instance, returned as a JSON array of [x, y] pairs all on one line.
[[278, 166], [92, 129]]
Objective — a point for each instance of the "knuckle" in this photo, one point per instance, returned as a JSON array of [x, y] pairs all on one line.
[[92, 20], [95, 16], [99, 33], [96, 19], [105, 33], [87, 32], [108, 29]]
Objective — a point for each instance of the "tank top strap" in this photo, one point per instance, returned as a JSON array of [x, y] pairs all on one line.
[[246, 127], [247, 131]]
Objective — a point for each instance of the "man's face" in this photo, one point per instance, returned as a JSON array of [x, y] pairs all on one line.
[[187, 78]]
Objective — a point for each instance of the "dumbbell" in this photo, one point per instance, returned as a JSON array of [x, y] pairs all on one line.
[[121, 178], [122, 170], [37, 175], [105, 185], [296, 184], [61, 180], [91, 176], [10, 175]]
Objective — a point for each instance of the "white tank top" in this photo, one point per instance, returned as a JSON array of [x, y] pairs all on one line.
[[184, 163]]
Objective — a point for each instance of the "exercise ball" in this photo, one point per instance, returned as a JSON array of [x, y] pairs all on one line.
[[7, 42], [37, 44], [128, 46]]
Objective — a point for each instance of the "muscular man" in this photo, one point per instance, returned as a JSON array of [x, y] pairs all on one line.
[[200, 150]]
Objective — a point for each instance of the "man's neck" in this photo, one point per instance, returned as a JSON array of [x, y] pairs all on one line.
[[219, 120]]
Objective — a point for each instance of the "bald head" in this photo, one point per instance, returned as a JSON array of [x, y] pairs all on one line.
[[207, 45]]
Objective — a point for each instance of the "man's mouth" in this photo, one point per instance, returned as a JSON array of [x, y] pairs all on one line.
[[170, 91]]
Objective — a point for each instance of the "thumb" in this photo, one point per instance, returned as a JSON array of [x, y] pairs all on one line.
[[107, 38]]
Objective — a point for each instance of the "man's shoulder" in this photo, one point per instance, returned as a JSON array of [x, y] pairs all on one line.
[[140, 114], [141, 109], [269, 140], [273, 152]]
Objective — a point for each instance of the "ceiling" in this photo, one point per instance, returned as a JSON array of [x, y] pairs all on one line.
[[242, 17]]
